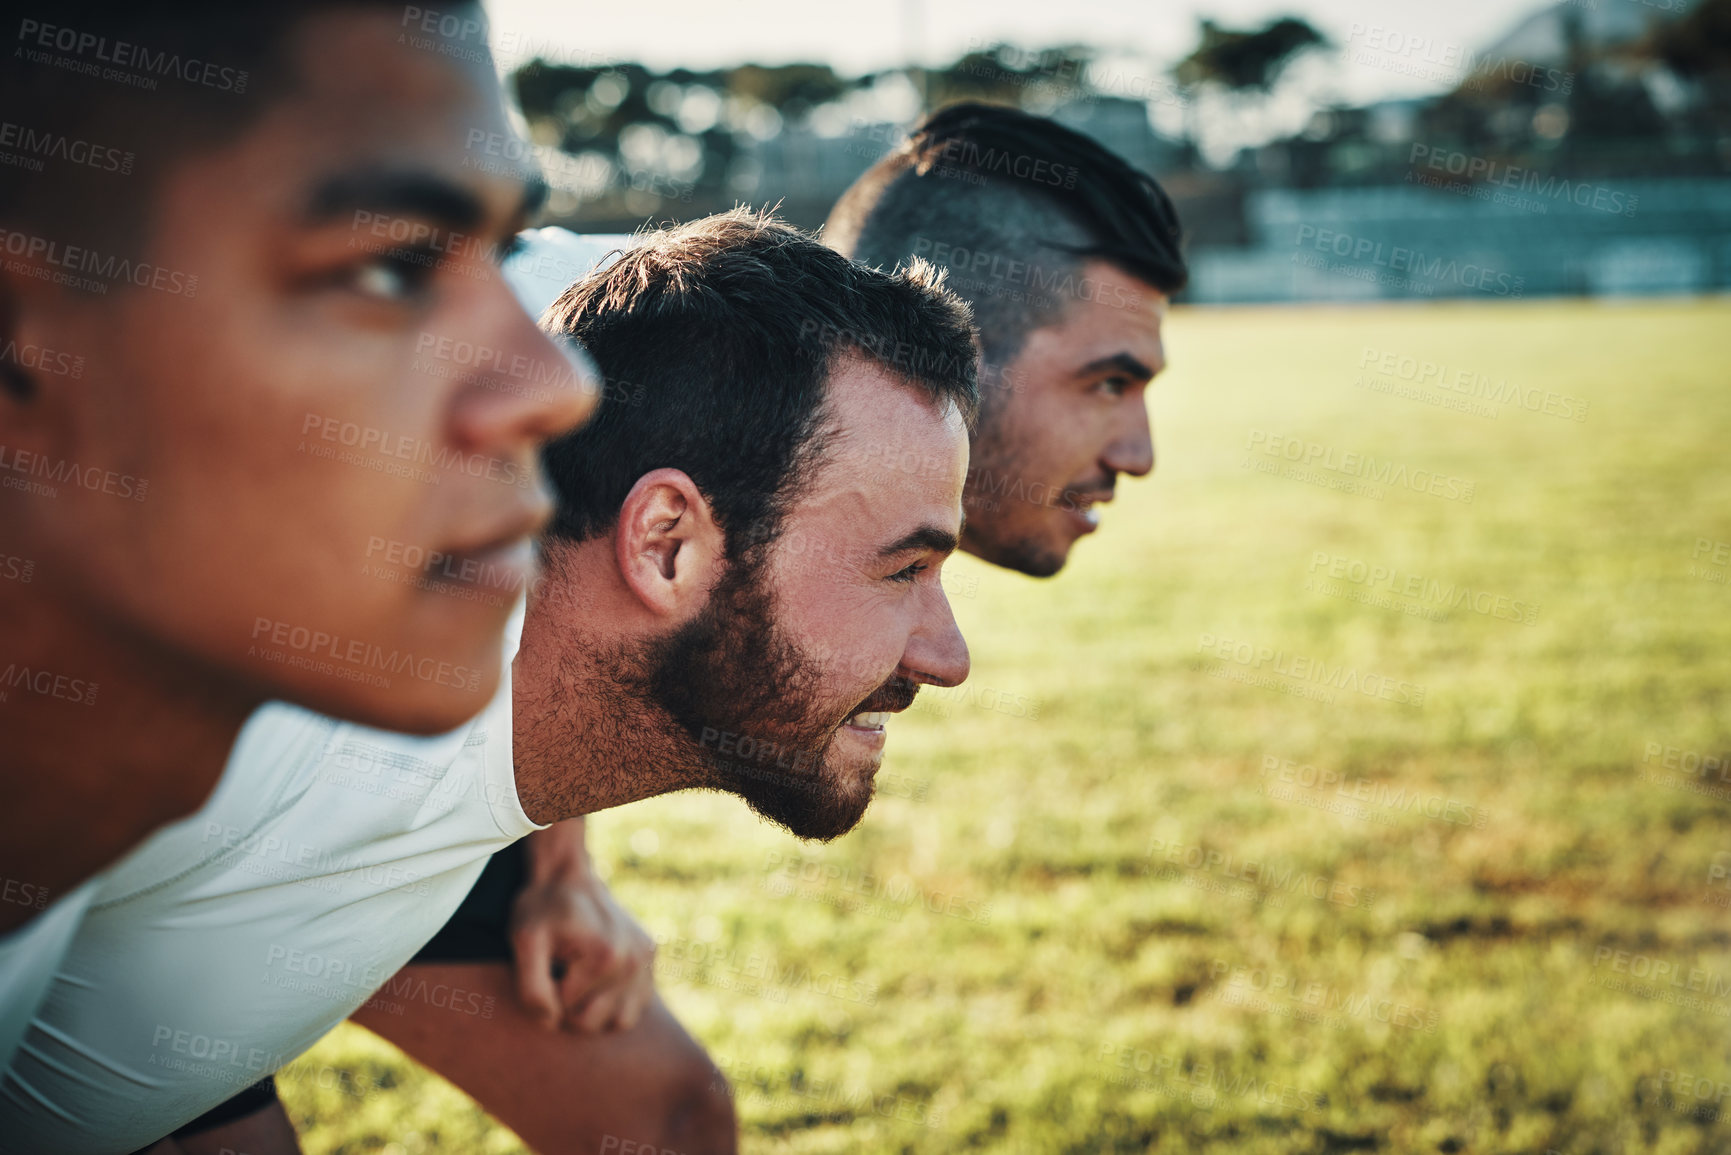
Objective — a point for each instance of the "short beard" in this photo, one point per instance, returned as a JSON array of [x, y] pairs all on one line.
[[731, 675], [995, 453]]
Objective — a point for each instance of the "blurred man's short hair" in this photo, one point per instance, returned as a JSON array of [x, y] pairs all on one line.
[[144, 84]]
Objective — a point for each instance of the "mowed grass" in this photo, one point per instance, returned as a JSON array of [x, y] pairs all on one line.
[[1112, 900]]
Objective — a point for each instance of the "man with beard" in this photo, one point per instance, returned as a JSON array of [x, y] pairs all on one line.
[[1068, 257], [779, 401]]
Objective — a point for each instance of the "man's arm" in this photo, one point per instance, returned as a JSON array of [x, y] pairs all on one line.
[[565, 917]]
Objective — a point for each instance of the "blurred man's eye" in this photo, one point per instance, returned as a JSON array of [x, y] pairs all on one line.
[[398, 275], [1115, 386]]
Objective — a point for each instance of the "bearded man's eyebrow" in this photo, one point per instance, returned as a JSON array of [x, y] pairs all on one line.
[[926, 537]]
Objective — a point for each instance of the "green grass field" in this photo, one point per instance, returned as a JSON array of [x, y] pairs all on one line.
[[1142, 886]]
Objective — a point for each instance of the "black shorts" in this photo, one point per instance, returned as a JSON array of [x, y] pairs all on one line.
[[249, 1102], [480, 931]]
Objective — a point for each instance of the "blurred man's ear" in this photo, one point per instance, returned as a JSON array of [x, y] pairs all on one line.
[[668, 546], [15, 380]]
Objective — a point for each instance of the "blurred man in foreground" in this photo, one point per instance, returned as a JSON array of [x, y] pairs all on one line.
[[209, 411], [672, 624]]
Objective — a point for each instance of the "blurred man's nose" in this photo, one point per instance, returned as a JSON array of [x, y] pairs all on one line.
[[539, 390], [1132, 449], [937, 654]]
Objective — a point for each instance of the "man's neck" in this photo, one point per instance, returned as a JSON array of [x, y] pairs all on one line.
[[107, 738], [582, 736]]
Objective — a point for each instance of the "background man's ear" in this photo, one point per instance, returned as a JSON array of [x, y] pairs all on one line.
[[15, 380], [667, 543], [43, 342]]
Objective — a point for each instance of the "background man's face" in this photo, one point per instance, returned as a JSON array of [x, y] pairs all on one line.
[[338, 427], [788, 682], [1061, 421]]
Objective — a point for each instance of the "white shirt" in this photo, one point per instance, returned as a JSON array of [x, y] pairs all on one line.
[[28, 957], [229, 942], [286, 763]]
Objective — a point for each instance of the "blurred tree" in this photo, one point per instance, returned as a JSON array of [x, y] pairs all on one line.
[[1244, 61], [1240, 63], [1700, 43], [1004, 74], [791, 89]]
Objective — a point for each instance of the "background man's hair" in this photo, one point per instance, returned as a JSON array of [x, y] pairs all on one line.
[[201, 72], [1004, 186], [716, 340]]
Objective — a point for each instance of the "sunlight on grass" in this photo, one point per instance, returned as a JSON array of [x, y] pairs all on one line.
[[1226, 847]]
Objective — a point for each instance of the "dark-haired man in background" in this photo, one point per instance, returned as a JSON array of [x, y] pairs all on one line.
[[1068, 257], [775, 388]]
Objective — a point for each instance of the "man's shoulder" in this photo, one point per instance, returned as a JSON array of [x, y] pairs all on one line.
[[291, 766]]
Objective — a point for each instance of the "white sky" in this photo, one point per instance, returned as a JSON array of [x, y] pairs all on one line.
[[861, 37], [1136, 41]]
